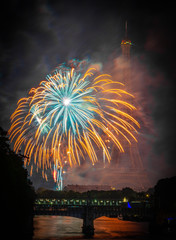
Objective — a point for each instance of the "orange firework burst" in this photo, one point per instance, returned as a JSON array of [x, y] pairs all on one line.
[[71, 113]]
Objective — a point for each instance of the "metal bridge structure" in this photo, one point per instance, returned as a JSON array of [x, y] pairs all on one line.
[[90, 209]]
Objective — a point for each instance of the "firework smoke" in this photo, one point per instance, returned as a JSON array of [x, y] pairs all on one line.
[[74, 112]]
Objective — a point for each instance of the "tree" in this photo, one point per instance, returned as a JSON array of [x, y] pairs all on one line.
[[17, 191], [164, 207], [165, 196], [129, 193]]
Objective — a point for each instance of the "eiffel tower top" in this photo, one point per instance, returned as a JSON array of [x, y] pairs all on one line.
[[126, 45], [126, 41]]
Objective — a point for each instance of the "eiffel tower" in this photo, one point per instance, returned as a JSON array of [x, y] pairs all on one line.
[[129, 168]]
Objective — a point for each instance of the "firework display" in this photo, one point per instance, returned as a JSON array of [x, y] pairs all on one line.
[[71, 115]]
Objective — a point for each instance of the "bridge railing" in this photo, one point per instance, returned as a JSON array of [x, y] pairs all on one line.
[[91, 202], [77, 202]]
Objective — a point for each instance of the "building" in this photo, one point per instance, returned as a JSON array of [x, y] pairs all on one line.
[[85, 188]]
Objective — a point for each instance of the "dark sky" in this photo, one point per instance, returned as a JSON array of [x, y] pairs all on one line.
[[36, 36]]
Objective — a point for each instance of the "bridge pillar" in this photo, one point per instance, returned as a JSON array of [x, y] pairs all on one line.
[[88, 222]]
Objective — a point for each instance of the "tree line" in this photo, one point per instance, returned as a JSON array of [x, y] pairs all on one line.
[[18, 195], [127, 193]]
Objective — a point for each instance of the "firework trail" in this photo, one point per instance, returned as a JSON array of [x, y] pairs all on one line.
[[71, 113]]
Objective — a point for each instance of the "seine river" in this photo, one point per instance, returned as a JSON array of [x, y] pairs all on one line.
[[68, 228]]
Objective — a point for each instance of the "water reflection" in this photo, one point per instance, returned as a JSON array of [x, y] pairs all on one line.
[[67, 228]]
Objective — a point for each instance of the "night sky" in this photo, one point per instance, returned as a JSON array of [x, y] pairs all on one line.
[[36, 36]]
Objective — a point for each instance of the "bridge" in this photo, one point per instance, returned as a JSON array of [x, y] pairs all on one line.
[[90, 209]]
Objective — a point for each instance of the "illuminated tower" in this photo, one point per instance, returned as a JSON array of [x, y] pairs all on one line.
[[130, 170], [126, 45], [126, 61]]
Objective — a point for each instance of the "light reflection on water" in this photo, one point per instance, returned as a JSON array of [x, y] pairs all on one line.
[[67, 228]]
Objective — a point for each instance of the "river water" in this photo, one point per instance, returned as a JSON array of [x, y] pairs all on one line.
[[69, 228]]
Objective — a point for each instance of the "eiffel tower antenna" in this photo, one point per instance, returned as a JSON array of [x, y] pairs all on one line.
[[126, 25], [126, 44]]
